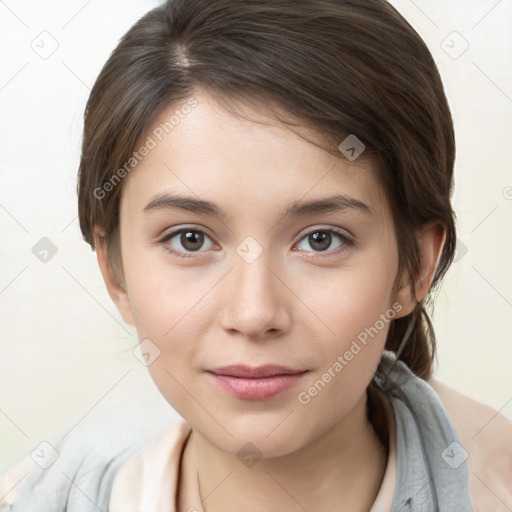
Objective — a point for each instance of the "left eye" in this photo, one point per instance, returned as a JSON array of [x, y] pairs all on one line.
[[321, 239]]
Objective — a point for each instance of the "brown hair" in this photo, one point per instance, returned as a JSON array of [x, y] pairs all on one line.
[[343, 66]]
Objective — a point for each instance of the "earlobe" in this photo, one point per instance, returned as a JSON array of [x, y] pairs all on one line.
[[431, 239], [116, 289]]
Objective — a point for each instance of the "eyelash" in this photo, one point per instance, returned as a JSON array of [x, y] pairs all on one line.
[[346, 241]]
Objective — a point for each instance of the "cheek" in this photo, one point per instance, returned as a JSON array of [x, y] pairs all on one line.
[[174, 321], [352, 299], [360, 316], [163, 298], [355, 308], [168, 310], [169, 307]]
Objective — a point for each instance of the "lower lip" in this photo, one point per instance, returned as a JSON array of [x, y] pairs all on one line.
[[257, 389]]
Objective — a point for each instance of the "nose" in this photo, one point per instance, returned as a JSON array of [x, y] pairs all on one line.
[[256, 300]]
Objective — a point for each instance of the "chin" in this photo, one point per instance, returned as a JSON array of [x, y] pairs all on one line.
[[267, 438]]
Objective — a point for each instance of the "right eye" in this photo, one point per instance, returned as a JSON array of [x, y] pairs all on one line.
[[185, 241]]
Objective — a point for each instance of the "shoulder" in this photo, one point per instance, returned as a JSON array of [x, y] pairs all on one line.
[[70, 472], [156, 466], [486, 436]]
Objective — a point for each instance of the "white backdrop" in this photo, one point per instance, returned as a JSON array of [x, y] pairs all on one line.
[[66, 359]]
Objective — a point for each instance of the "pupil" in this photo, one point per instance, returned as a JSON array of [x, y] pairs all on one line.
[[192, 240], [323, 240]]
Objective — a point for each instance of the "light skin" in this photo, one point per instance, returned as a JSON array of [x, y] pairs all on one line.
[[299, 304]]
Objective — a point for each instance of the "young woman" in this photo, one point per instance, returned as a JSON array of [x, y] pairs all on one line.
[[267, 187]]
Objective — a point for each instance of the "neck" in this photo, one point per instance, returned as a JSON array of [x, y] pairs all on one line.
[[345, 465]]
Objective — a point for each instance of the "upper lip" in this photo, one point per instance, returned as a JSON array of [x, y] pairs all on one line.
[[255, 372]]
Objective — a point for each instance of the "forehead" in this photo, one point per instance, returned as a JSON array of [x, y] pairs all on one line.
[[248, 161]]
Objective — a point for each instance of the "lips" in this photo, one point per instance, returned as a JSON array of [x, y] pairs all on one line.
[[257, 372], [256, 383]]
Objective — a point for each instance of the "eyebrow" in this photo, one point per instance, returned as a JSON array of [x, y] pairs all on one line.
[[166, 201]]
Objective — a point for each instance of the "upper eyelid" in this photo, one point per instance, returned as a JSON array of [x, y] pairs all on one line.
[[332, 229], [176, 231]]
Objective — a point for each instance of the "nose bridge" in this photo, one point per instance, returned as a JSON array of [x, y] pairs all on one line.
[[254, 304], [253, 279]]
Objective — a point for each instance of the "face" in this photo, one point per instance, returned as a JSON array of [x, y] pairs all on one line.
[[281, 255]]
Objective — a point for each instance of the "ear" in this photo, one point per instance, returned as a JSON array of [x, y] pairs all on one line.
[[116, 289], [431, 240]]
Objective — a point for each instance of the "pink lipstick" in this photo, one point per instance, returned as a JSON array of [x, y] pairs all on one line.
[[256, 383]]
